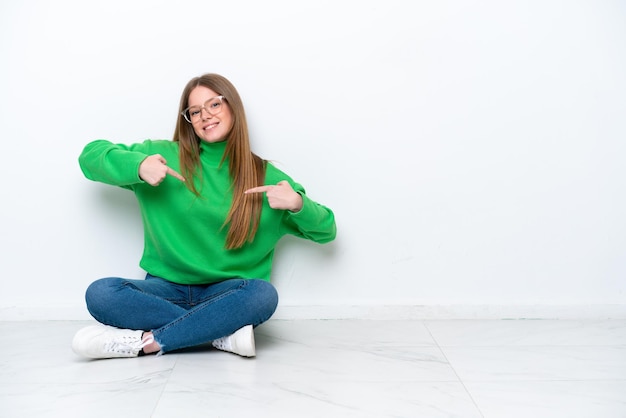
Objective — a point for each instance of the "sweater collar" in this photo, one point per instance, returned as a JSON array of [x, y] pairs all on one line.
[[212, 152]]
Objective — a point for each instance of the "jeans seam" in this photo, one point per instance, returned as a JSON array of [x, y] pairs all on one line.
[[177, 302]]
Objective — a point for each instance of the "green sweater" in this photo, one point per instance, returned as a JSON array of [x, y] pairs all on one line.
[[184, 241]]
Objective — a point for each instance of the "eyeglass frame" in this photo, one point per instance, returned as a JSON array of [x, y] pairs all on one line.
[[184, 112]]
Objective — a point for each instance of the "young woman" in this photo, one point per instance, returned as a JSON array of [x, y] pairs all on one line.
[[212, 214]]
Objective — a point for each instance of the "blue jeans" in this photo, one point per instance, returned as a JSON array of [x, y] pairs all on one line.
[[181, 316]]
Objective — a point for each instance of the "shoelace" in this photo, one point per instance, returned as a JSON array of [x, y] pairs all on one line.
[[125, 346]]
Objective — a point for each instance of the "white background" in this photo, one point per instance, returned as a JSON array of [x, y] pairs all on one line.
[[473, 151]]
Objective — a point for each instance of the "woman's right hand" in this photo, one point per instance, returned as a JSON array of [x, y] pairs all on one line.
[[154, 169]]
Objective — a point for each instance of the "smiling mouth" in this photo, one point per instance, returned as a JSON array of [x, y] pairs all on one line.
[[209, 127]]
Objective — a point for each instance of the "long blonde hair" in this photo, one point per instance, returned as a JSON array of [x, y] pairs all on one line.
[[246, 169]]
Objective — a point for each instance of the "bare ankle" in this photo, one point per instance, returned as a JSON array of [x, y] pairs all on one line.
[[152, 347]]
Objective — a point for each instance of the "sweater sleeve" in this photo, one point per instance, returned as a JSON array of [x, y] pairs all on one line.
[[109, 163], [314, 221]]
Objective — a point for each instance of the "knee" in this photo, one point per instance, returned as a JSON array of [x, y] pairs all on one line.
[[266, 295], [98, 294]]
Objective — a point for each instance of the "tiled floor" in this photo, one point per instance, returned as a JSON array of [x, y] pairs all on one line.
[[343, 368]]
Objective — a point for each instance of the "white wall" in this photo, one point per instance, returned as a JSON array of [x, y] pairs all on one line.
[[473, 151]]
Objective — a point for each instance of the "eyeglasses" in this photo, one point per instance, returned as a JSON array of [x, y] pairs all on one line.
[[212, 106]]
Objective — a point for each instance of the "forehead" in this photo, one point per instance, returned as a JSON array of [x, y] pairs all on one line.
[[199, 95]]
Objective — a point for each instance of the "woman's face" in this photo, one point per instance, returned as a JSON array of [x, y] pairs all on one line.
[[210, 128]]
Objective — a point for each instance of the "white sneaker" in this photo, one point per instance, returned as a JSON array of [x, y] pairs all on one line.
[[241, 342], [103, 341]]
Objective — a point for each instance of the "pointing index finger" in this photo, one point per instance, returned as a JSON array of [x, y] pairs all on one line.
[[260, 189], [173, 173]]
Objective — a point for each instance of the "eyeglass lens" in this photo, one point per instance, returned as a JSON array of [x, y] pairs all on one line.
[[212, 106]]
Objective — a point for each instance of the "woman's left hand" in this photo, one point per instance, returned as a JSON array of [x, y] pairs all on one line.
[[281, 196]]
